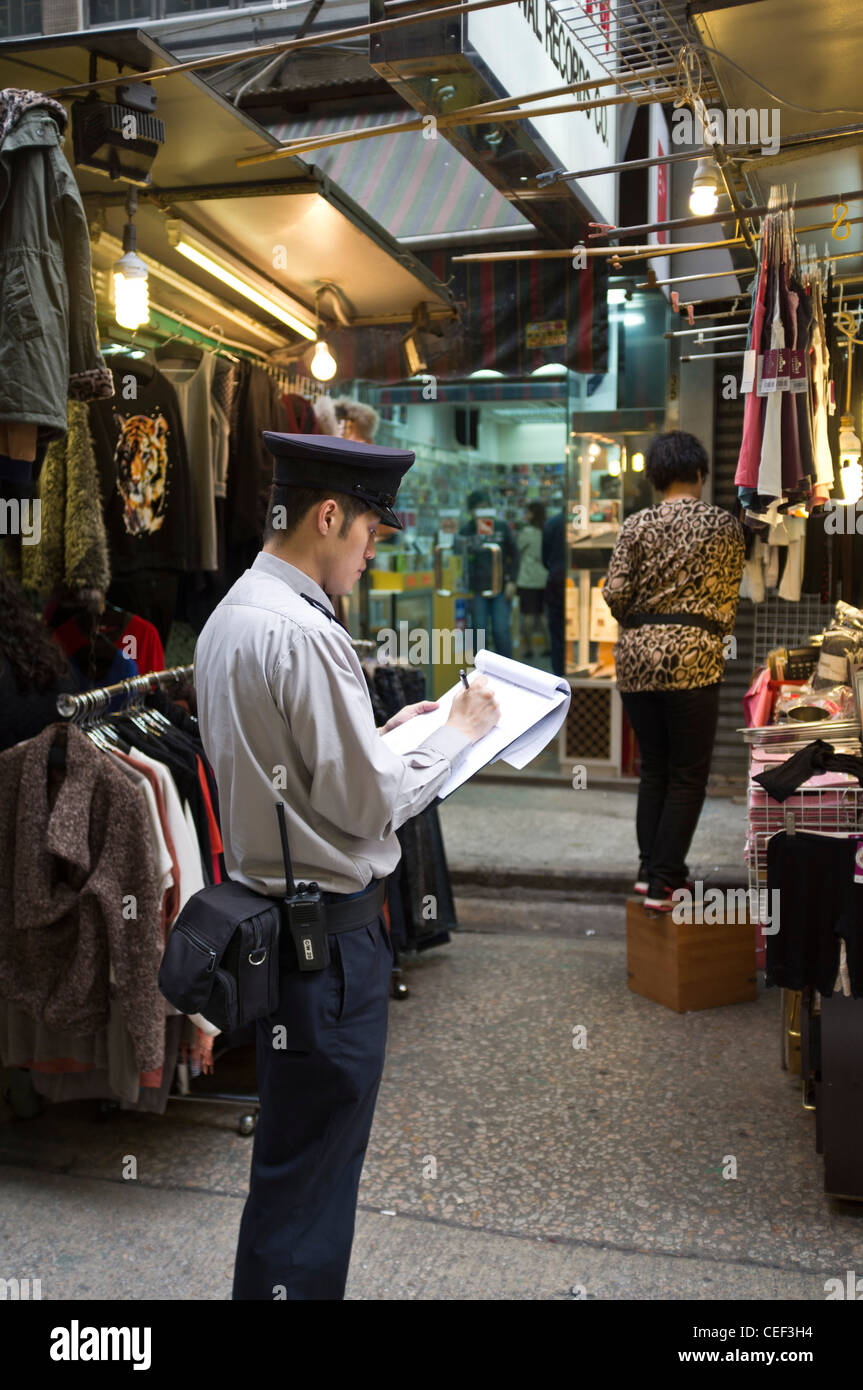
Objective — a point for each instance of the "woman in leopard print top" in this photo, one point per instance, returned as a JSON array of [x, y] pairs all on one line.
[[680, 560]]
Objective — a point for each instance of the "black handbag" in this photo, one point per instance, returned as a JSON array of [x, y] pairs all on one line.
[[222, 957]]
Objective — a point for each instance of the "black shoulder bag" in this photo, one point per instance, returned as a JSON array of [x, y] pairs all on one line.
[[222, 957]]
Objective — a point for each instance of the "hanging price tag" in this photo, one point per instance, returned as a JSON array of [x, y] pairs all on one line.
[[768, 372], [783, 370], [799, 379], [748, 379]]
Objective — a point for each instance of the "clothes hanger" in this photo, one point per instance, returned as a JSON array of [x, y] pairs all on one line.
[[220, 350], [192, 351]]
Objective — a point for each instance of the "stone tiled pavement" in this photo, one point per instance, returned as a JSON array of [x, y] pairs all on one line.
[[503, 1162], [496, 830]]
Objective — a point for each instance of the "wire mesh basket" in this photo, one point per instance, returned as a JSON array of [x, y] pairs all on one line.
[[825, 809]]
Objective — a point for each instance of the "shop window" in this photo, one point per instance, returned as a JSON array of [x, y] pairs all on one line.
[[189, 6], [103, 12], [18, 17]]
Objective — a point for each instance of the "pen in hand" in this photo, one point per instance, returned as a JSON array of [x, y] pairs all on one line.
[[475, 710]]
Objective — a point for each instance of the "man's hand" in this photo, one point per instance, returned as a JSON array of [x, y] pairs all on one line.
[[408, 712], [475, 710], [509, 589]]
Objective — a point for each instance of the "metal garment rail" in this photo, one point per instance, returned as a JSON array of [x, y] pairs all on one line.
[[92, 702], [83, 709]]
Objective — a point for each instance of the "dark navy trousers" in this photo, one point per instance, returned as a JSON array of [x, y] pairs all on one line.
[[320, 1057]]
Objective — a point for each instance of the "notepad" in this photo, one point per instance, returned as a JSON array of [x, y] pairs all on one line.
[[533, 705]]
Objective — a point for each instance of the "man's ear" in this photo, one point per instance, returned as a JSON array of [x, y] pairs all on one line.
[[328, 512]]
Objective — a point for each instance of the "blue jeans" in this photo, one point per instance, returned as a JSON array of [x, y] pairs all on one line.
[[492, 614]]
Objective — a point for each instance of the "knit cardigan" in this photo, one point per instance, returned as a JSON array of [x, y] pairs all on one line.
[[73, 545], [79, 893]]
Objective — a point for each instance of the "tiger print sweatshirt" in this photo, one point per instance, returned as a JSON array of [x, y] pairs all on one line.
[[140, 449]]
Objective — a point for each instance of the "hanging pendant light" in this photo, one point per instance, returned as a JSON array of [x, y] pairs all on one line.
[[704, 197], [131, 278], [323, 366]]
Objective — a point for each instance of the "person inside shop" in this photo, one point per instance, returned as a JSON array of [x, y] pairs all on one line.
[[34, 670], [554, 560], [285, 715], [672, 585], [532, 577], [490, 613]]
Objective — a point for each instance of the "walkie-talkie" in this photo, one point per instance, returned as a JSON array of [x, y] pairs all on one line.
[[304, 911]]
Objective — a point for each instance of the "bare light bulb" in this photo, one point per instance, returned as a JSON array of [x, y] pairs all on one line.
[[704, 198], [324, 365], [131, 296]]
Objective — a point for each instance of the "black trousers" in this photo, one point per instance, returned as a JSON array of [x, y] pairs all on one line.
[[320, 1056], [675, 731], [818, 902]]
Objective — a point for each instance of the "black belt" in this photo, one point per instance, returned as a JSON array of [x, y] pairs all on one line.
[[683, 619], [344, 914]]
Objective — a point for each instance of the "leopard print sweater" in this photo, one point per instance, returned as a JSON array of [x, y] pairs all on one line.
[[682, 556]]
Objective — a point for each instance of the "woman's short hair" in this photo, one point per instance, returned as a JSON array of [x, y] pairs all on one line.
[[675, 457], [325, 415], [364, 417]]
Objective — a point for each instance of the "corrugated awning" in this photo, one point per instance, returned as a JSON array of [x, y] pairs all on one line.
[[411, 185]]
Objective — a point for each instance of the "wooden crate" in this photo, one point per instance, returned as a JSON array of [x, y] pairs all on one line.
[[687, 965]]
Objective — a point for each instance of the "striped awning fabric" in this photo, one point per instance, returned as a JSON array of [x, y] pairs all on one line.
[[411, 185]]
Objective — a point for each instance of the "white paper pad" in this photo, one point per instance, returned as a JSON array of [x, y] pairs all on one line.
[[533, 705]]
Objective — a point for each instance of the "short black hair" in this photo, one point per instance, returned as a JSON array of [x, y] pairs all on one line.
[[675, 457], [289, 505], [478, 498]]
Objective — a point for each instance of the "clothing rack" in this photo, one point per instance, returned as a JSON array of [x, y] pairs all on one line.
[[169, 326], [82, 710], [90, 703]]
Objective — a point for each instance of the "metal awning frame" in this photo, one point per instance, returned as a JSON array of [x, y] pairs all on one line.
[[130, 51]]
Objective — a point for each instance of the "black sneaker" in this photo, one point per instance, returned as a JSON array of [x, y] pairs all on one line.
[[660, 898]]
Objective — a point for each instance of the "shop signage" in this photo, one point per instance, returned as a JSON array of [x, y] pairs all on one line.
[[658, 200], [551, 333], [528, 47]]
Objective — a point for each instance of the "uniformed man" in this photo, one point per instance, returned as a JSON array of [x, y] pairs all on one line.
[[285, 715]]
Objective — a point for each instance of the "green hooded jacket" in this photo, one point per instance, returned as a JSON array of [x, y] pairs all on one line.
[[49, 349]]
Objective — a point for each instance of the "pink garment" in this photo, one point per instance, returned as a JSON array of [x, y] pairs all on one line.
[[758, 701], [749, 459]]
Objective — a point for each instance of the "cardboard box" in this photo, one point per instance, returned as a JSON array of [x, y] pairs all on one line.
[[687, 965]]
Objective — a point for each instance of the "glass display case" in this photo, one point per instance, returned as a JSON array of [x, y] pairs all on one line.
[[607, 483]]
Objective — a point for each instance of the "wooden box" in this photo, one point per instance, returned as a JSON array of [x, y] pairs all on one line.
[[687, 965]]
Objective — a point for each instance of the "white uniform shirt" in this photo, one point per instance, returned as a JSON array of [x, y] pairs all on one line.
[[285, 713]]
